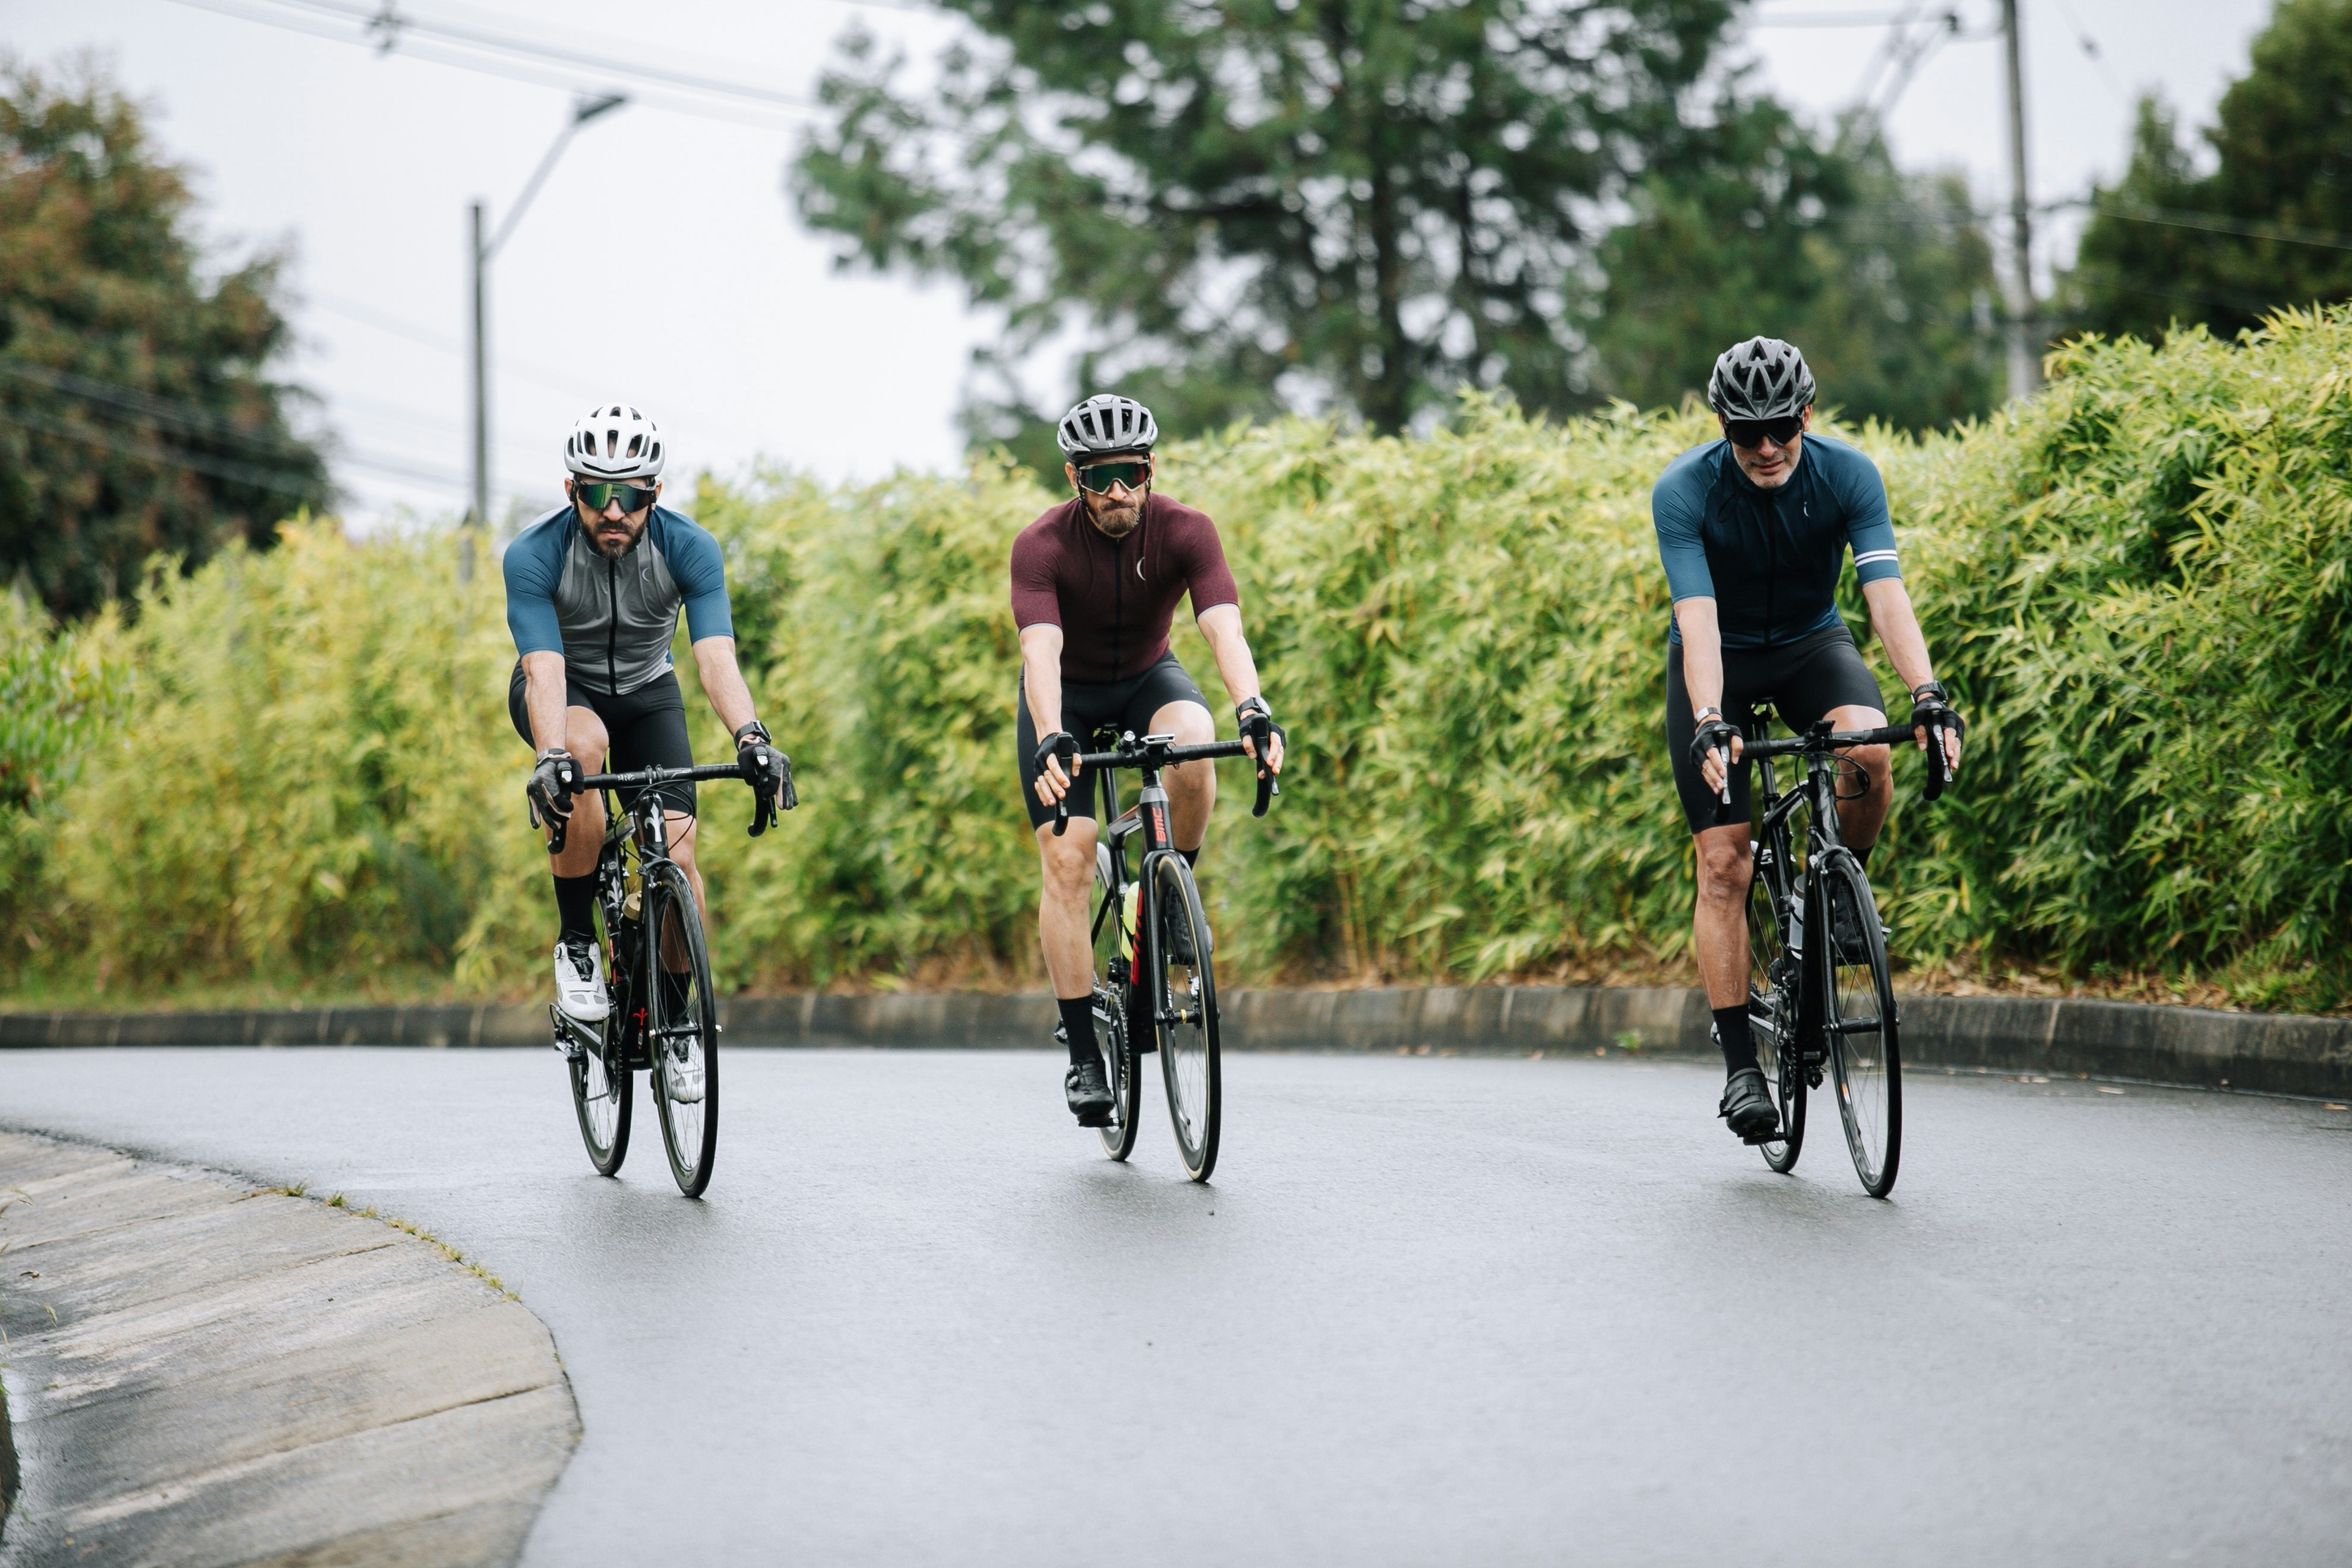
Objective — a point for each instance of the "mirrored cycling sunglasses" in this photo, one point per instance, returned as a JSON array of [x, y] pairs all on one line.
[[1751, 433], [598, 494], [1099, 477]]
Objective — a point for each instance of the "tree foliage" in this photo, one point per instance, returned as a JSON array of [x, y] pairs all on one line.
[[2271, 223], [1761, 225], [137, 412], [1248, 203]]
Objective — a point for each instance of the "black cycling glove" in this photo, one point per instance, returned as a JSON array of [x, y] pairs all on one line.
[[552, 785], [769, 772], [1060, 744], [1258, 728], [1712, 735], [1931, 709]]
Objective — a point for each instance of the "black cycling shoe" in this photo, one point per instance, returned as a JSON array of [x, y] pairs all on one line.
[[1088, 1092], [1749, 1108], [1176, 925]]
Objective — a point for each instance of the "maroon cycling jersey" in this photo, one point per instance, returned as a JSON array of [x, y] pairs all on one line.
[[1115, 599]]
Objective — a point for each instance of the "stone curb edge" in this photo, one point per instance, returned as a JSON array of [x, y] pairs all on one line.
[[201, 1371], [2271, 1053]]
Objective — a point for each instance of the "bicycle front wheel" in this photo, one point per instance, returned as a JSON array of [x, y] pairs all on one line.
[[1113, 967], [1772, 1015], [681, 1028], [601, 1085], [1858, 1017], [1182, 990]]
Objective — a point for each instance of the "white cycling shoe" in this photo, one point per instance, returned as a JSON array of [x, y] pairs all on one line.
[[580, 991], [682, 1079]]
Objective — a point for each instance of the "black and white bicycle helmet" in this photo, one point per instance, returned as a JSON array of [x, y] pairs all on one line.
[[1762, 378], [613, 441], [1106, 424]]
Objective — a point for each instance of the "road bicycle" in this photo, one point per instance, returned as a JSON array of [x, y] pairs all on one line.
[[657, 979], [1148, 973], [1819, 994]]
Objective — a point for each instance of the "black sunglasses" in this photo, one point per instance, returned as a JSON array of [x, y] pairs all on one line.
[[1100, 477], [598, 494], [1752, 433]]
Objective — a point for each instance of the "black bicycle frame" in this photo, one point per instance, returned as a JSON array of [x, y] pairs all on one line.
[[1819, 746], [1148, 816], [647, 823]]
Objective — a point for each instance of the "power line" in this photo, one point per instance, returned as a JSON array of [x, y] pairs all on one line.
[[2217, 223], [514, 64], [276, 479], [188, 418]]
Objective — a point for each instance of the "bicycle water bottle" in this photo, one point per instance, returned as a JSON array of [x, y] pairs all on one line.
[[1797, 914], [1131, 913]]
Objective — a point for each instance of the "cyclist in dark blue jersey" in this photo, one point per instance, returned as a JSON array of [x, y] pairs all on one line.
[[1753, 531], [594, 593]]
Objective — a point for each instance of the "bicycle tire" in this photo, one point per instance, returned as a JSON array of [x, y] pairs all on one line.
[[603, 1091], [1112, 1030], [1859, 1019], [1773, 1016], [681, 1021], [1184, 1005]]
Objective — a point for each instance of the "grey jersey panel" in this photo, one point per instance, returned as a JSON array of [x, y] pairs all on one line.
[[612, 620]]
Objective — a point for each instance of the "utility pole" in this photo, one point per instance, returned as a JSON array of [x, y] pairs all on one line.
[[478, 517], [2024, 361]]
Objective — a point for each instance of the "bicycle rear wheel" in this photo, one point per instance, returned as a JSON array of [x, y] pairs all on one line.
[[681, 1028], [1184, 996], [601, 1088], [1858, 1016], [1112, 1027], [1772, 1015]]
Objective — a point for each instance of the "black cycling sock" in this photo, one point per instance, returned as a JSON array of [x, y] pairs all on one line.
[[1193, 857], [575, 907], [1731, 1033], [1078, 1020], [1862, 855]]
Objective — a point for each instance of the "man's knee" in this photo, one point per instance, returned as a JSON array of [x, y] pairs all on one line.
[[1723, 866], [1877, 764], [1189, 722], [680, 830], [585, 737], [1068, 860]]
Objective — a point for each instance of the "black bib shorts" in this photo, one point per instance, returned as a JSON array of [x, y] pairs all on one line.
[[1126, 704], [648, 727], [1801, 680]]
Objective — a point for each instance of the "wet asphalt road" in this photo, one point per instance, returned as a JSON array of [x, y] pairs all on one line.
[[1431, 1311]]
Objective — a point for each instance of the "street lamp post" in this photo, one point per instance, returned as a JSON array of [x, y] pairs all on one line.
[[478, 517]]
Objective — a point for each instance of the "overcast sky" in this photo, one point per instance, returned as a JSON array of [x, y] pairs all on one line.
[[661, 262]]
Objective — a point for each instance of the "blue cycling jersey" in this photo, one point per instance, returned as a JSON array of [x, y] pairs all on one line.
[[612, 620], [1770, 559]]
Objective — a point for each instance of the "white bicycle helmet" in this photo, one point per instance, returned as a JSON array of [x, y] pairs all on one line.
[[1106, 424], [1762, 378], [613, 441]]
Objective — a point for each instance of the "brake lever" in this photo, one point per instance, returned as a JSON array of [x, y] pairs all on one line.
[[1940, 771]]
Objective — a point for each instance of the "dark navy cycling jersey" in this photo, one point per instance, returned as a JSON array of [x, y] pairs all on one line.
[[612, 620], [1770, 559]]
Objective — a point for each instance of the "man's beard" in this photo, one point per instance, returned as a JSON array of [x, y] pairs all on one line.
[[1118, 523], [616, 549]]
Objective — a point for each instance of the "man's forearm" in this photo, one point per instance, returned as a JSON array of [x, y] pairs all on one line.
[[1040, 678], [1899, 631], [722, 682], [543, 699], [1222, 626], [1701, 653]]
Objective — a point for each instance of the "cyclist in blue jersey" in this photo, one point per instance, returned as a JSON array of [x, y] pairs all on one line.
[[594, 593], [1753, 531]]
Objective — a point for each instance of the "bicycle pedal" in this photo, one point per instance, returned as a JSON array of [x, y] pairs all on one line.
[[1753, 1139]]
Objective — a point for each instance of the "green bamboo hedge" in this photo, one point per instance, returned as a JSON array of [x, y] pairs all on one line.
[[2137, 586]]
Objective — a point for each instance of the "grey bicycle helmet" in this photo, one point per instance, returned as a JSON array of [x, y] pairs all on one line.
[[1762, 378], [613, 441], [1103, 424]]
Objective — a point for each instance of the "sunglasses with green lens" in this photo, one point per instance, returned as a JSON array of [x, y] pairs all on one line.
[[1100, 477], [598, 494]]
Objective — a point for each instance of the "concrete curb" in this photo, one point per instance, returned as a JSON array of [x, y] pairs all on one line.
[[205, 1375], [2273, 1053]]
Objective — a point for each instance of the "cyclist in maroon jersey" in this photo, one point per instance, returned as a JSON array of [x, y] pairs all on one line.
[[1095, 586]]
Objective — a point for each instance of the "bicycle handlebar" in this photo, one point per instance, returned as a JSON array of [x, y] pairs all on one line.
[[647, 778], [1819, 743], [1146, 754]]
